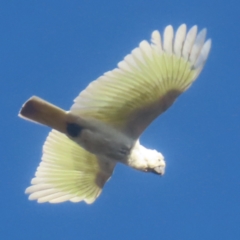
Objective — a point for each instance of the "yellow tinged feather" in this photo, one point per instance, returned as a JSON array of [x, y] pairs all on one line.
[[67, 172]]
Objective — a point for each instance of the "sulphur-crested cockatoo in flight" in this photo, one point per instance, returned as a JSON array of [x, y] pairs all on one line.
[[106, 120]]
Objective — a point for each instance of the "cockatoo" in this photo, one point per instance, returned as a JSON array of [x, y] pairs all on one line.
[[103, 126]]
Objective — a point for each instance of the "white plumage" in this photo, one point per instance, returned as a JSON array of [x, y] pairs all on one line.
[[106, 120]]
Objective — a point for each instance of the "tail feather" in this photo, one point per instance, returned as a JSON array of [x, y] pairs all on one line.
[[40, 111]]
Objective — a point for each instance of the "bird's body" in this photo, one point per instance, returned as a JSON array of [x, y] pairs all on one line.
[[104, 124], [91, 134]]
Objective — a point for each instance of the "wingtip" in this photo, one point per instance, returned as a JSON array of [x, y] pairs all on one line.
[[202, 58]]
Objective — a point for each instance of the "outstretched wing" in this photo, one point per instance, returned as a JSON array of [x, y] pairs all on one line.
[[147, 81], [68, 172]]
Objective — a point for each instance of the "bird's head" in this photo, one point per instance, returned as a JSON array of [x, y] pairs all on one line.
[[147, 160], [155, 162]]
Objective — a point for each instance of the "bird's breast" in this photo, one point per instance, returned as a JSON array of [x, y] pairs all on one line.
[[103, 141]]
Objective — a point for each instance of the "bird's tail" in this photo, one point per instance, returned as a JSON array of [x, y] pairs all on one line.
[[40, 111]]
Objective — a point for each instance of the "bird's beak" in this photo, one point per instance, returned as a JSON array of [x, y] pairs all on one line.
[[160, 170]]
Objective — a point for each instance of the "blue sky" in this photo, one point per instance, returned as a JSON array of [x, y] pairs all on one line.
[[53, 49]]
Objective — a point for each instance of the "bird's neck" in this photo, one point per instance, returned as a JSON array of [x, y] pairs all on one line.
[[137, 157]]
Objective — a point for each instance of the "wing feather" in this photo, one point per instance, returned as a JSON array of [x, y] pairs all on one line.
[[198, 44], [179, 40], [68, 172], [168, 39], [157, 41], [189, 41], [147, 81]]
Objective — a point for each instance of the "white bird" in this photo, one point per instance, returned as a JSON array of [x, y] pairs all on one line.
[[106, 120]]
